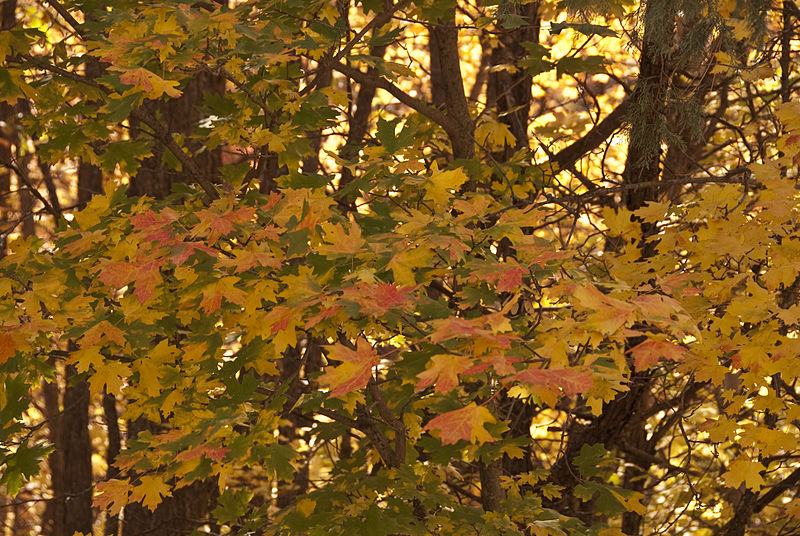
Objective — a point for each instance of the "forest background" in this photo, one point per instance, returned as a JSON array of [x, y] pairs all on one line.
[[385, 267]]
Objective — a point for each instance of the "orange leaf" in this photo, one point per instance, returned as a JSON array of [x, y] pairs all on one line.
[[572, 381], [377, 299], [7, 347], [444, 371], [465, 423], [111, 495], [649, 352], [353, 373]]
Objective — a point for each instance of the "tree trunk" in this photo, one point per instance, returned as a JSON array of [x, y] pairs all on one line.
[[188, 507], [155, 177], [447, 88], [510, 92]]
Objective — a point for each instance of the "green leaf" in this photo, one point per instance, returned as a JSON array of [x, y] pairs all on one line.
[[586, 29]]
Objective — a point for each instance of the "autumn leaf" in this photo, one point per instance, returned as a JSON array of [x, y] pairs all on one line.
[[110, 374], [150, 491], [647, 353], [744, 471], [111, 495], [609, 313], [153, 85], [441, 185], [7, 347], [378, 299], [443, 371], [214, 224], [146, 275], [571, 381], [339, 241], [353, 373], [103, 329], [222, 288], [465, 423]]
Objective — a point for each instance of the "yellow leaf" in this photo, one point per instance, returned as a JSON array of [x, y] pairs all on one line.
[[744, 471], [726, 8], [150, 83], [441, 186], [306, 506], [150, 491], [110, 374]]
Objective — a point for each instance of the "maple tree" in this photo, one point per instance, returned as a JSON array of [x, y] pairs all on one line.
[[394, 267]]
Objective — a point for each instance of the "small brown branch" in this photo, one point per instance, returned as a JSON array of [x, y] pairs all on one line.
[[434, 114], [67, 16], [35, 191]]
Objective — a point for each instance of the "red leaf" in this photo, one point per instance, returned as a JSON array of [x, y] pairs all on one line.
[[453, 327], [155, 226], [145, 274], [378, 299], [465, 423]]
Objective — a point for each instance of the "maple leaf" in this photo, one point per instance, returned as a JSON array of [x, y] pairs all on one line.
[[223, 288], [155, 226], [647, 353], [111, 375], [220, 224], [453, 327], [465, 423], [339, 241], [153, 85], [744, 471], [507, 275], [572, 381], [353, 373], [150, 491], [610, 314], [280, 323], [441, 184], [377, 299], [8, 347], [444, 370], [245, 259], [146, 275], [105, 329], [111, 495], [502, 363]]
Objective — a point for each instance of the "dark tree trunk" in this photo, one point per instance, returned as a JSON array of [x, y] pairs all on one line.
[[70, 463], [155, 177], [112, 451], [188, 507], [648, 103], [510, 92], [447, 88]]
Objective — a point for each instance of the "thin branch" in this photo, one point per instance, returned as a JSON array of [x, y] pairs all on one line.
[[67, 16], [415, 104]]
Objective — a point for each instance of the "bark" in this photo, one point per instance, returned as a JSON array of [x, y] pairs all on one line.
[[155, 177], [112, 451], [188, 507], [510, 92], [70, 463], [447, 88], [7, 20], [647, 106]]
